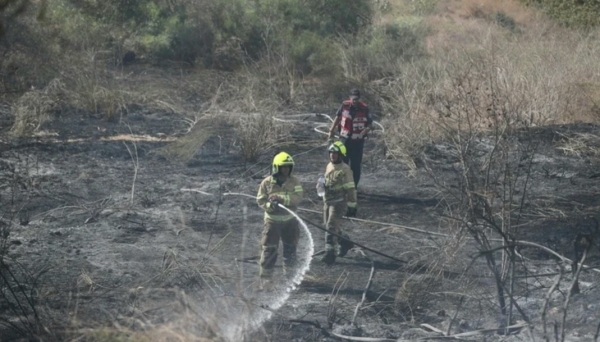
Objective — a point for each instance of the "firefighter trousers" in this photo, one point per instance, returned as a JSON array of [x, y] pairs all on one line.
[[286, 231], [332, 217]]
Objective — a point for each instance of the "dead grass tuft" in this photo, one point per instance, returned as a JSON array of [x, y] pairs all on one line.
[[95, 90], [35, 107], [416, 292], [186, 147], [259, 133], [580, 145]]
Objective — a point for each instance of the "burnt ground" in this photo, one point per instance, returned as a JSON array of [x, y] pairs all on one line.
[[89, 254]]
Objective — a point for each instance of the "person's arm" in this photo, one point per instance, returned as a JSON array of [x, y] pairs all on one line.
[[336, 122], [262, 198], [334, 126], [350, 190], [295, 197], [369, 125]]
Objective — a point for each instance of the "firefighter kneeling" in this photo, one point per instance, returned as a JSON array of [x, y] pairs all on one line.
[[340, 198], [279, 188]]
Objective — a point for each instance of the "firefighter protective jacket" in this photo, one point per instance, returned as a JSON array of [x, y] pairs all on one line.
[[354, 119], [339, 185], [291, 192]]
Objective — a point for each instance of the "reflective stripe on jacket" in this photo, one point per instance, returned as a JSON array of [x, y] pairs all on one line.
[[291, 192], [339, 184], [351, 127]]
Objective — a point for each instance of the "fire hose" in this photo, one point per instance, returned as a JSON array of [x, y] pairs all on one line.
[[342, 237], [521, 243]]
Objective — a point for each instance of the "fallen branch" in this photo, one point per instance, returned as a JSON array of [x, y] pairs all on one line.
[[570, 293], [250, 260], [472, 333], [365, 339], [364, 295], [546, 249], [545, 307], [434, 329], [460, 303]]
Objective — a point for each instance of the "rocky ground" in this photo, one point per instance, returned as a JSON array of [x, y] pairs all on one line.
[[102, 232]]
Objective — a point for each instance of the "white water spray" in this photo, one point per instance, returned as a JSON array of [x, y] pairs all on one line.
[[265, 303], [241, 317]]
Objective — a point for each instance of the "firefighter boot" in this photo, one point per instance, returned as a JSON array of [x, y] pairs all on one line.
[[345, 245], [329, 257]]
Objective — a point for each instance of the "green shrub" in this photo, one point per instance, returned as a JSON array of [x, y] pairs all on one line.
[[340, 16], [312, 53], [187, 43], [506, 21], [572, 13], [405, 39], [376, 52]]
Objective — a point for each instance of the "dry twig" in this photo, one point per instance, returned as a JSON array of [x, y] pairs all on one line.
[[364, 295]]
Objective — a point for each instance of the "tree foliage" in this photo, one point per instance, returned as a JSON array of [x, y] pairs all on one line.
[[10, 9], [194, 31]]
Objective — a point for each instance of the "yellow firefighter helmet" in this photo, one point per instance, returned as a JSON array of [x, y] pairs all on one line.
[[339, 147], [282, 159]]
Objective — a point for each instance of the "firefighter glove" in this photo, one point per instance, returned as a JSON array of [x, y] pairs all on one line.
[[274, 203], [351, 212]]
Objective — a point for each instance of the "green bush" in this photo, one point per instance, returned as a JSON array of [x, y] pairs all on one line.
[[376, 52], [188, 43], [340, 16], [193, 31], [312, 53], [323, 17], [506, 21], [572, 13], [405, 39]]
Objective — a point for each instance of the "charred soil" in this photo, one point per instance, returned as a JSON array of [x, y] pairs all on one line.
[[102, 233]]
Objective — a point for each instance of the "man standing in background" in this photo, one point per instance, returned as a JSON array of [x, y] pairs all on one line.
[[353, 121]]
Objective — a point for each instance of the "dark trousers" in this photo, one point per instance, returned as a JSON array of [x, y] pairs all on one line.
[[354, 154]]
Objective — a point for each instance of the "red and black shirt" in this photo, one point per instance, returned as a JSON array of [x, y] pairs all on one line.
[[354, 119]]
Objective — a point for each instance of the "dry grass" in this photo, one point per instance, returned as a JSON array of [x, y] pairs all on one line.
[[186, 147], [238, 101], [35, 107], [257, 134], [580, 144], [416, 292], [485, 9], [189, 328], [542, 74]]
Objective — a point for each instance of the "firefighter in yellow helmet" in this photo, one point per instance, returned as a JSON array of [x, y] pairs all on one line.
[[281, 187], [339, 199]]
